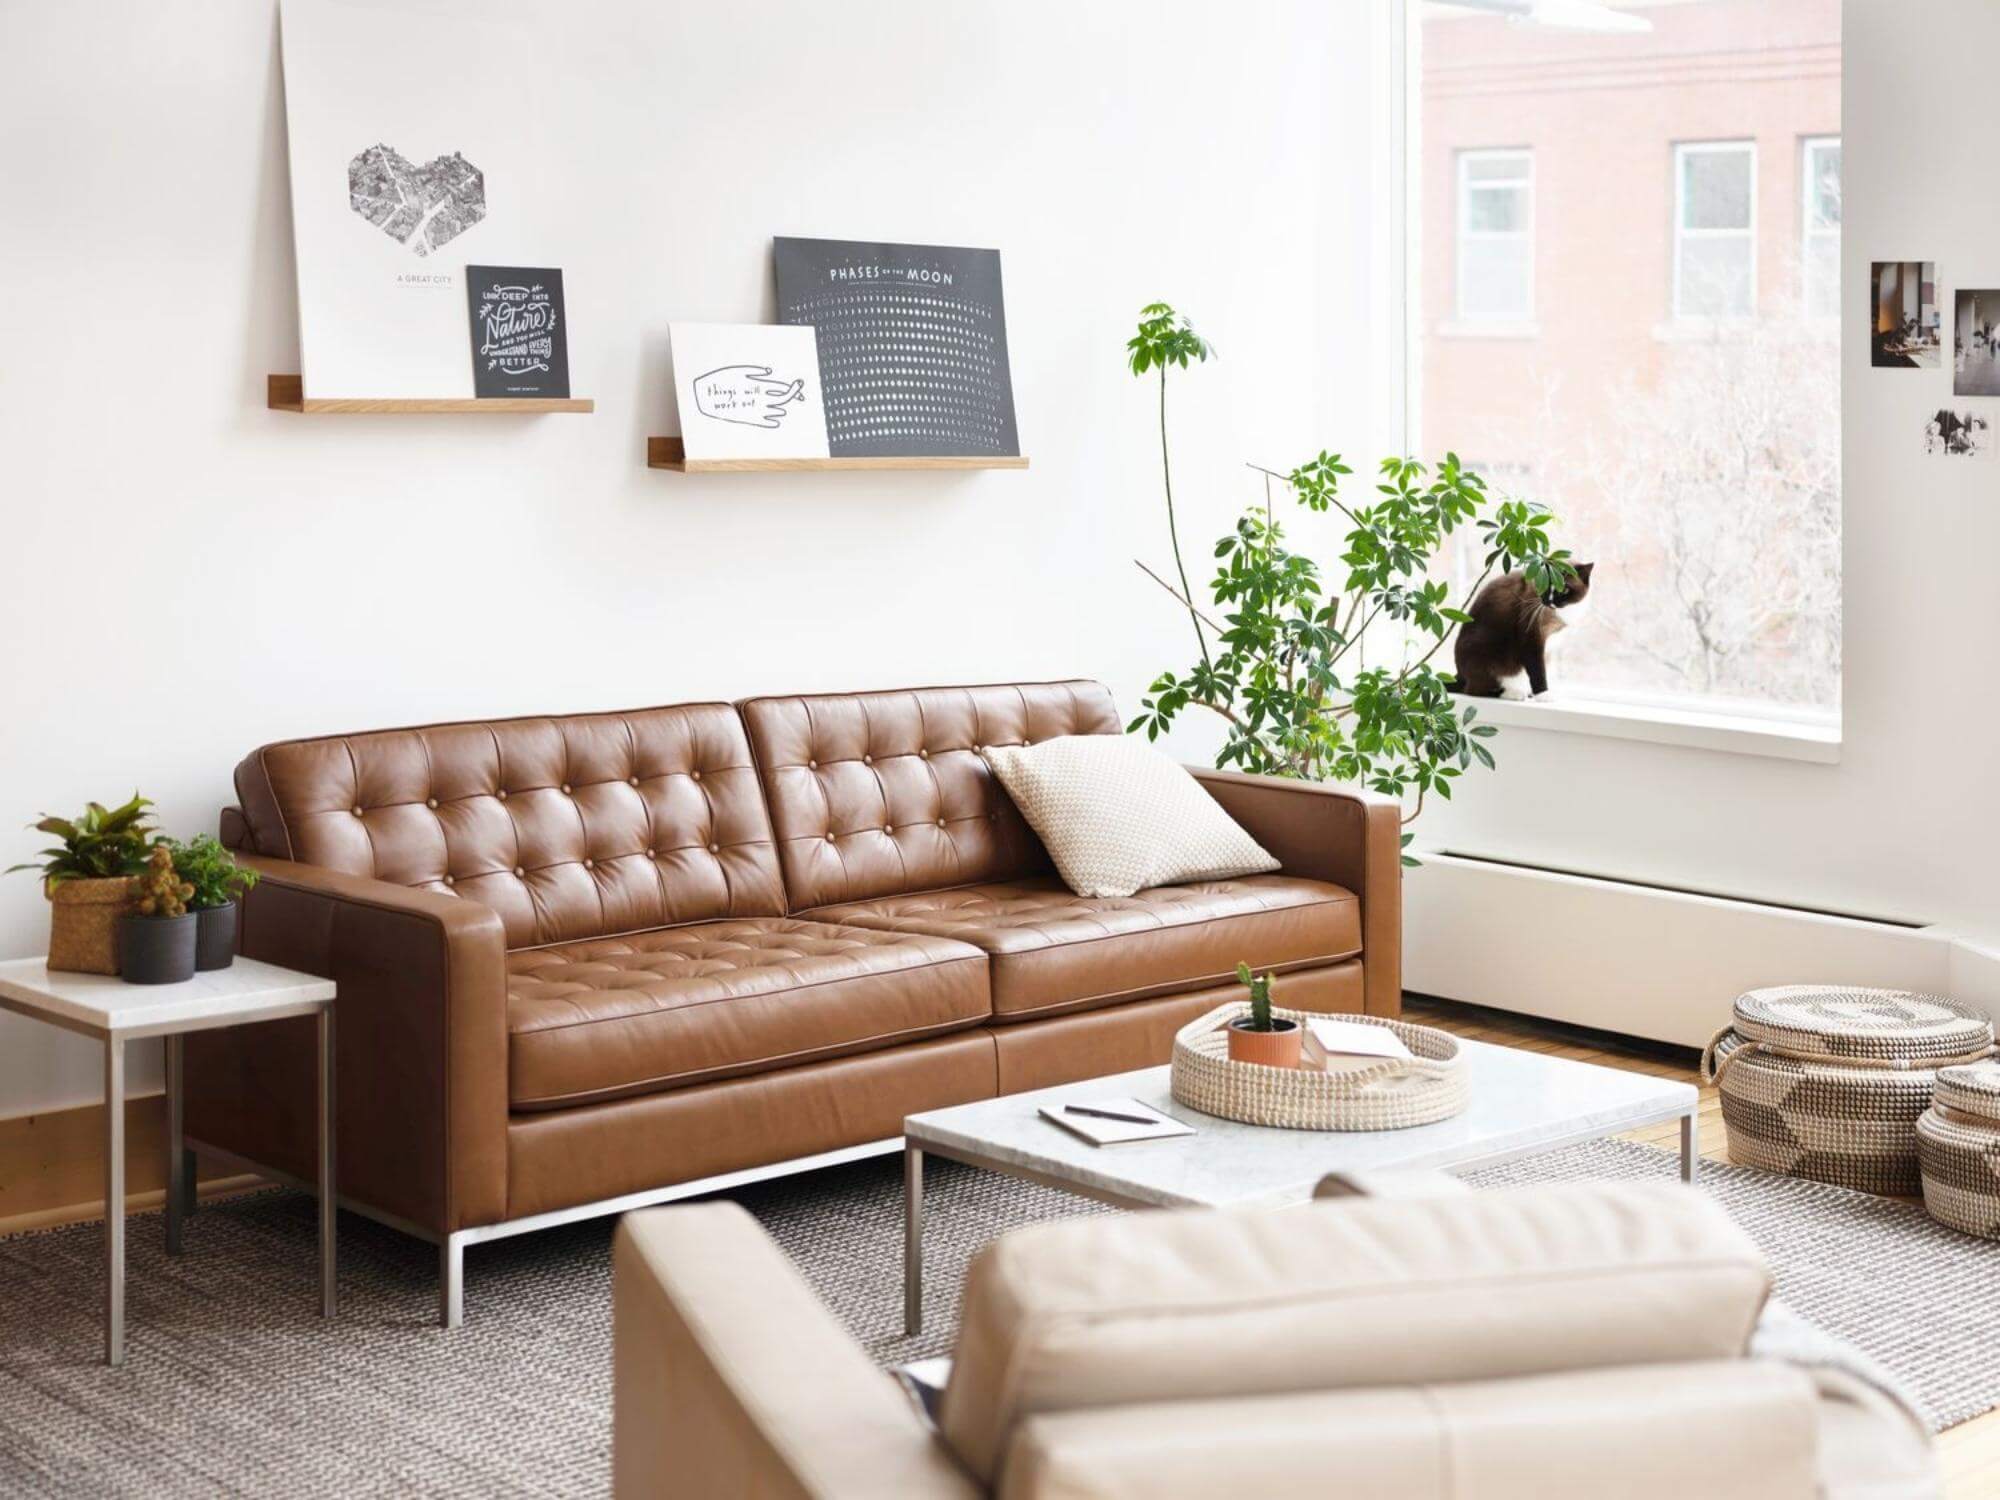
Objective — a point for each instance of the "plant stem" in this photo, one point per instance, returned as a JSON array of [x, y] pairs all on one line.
[[1175, 594], [1173, 530]]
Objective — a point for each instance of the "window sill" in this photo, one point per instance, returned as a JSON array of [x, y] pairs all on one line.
[[1454, 328], [1814, 740]]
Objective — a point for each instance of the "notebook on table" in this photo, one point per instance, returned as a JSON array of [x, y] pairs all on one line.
[[1143, 1122]]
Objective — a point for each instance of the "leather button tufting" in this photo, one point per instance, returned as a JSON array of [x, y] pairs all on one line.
[[694, 775], [923, 755], [715, 848], [590, 864], [519, 872], [812, 765], [357, 812], [829, 838], [652, 854], [451, 880], [867, 760], [633, 780], [566, 791], [888, 827], [501, 794], [431, 803]]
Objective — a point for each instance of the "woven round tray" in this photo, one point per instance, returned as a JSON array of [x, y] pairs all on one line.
[[1958, 1148], [1390, 1095], [1827, 1081]]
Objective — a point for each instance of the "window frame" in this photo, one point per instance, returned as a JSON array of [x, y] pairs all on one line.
[[1465, 234], [1809, 226], [1746, 146]]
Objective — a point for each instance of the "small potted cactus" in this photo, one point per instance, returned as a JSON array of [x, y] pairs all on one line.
[[1260, 1037], [90, 881], [156, 940], [215, 881]]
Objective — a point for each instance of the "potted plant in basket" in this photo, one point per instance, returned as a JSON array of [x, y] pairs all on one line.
[[156, 939], [1261, 1037], [215, 882], [90, 880]]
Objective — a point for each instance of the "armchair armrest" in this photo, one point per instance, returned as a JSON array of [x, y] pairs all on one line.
[[730, 1378], [1340, 834], [420, 1045]]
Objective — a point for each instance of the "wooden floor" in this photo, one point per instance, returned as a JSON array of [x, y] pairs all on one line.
[[1969, 1453]]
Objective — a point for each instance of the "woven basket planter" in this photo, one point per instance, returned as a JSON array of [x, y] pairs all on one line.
[[1827, 1082], [1391, 1095], [1958, 1145], [83, 922]]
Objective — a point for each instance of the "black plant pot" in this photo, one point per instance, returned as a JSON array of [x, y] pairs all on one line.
[[156, 950], [215, 937]]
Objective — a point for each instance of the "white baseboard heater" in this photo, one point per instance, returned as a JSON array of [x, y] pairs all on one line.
[[1640, 959]]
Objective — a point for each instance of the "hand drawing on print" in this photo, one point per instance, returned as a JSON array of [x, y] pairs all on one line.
[[747, 394]]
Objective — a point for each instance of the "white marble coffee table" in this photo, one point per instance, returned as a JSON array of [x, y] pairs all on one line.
[[1522, 1103]]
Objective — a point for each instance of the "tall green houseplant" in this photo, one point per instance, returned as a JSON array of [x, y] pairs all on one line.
[[1282, 666]]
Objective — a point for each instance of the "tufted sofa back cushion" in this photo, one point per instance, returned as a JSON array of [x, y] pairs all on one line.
[[881, 794], [570, 828]]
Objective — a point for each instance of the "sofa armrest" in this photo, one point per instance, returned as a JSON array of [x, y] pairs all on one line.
[[1340, 834], [420, 1041], [730, 1378]]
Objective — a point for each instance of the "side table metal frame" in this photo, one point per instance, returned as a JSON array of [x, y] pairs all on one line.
[[180, 1190]]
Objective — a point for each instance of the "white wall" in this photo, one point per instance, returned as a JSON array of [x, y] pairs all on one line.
[[184, 575], [1907, 824]]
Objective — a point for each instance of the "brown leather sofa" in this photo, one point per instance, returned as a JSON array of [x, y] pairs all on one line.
[[591, 962]]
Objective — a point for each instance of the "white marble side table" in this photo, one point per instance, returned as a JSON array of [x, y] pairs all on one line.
[[105, 1007]]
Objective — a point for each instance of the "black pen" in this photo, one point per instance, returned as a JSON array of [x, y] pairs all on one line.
[[1108, 1114]]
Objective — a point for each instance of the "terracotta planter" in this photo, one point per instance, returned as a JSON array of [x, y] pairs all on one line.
[[83, 922], [215, 937], [156, 950], [1277, 1048]]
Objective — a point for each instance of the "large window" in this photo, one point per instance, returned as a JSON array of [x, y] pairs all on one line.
[[1819, 218], [1715, 230], [1496, 246], [1668, 177]]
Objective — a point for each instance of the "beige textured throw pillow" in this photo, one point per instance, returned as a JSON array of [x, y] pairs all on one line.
[[1117, 816]]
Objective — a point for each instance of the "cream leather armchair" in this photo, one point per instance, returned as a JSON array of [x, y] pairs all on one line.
[[1578, 1340]]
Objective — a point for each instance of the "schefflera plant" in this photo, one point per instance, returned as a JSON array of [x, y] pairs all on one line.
[[1284, 670]]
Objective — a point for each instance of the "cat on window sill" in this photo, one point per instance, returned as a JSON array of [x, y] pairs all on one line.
[[1504, 651]]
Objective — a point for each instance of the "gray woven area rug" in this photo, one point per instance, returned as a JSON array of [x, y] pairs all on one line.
[[235, 1386]]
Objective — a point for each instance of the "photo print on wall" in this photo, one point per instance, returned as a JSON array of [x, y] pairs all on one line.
[[1904, 315], [1976, 345], [406, 163], [748, 390], [912, 345], [1959, 434]]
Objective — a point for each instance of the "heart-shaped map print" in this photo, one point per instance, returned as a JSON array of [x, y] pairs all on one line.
[[422, 207]]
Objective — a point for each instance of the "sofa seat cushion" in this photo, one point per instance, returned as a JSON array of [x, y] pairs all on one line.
[[679, 1005], [1052, 950]]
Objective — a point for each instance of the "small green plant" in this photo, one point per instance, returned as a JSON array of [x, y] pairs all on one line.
[[104, 843], [162, 892], [210, 871], [1260, 998]]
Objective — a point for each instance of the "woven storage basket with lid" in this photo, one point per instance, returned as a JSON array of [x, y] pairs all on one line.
[[1827, 1081], [1958, 1144]]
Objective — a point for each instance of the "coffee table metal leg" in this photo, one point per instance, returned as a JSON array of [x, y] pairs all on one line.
[[913, 1240], [1690, 1147], [114, 1201], [329, 1202], [176, 1152]]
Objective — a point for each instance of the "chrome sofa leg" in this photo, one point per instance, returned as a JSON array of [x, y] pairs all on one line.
[[451, 1282]]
